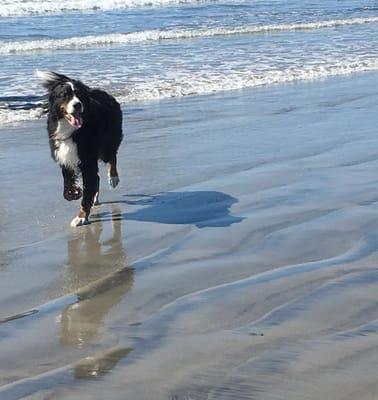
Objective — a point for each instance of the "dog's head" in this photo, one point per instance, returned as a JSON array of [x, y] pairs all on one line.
[[68, 98]]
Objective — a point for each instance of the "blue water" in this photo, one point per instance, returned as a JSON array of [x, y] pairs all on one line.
[[148, 50]]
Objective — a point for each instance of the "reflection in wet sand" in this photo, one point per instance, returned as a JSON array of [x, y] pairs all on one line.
[[42, 386], [94, 252], [82, 320], [99, 364], [96, 278]]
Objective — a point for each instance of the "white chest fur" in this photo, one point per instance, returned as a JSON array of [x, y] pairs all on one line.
[[66, 153], [66, 148]]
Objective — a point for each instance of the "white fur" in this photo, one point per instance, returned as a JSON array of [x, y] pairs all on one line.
[[66, 148], [113, 181], [64, 130], [66, 154], [71, 104], [46, 76], [75, 100], [78, 221], [96, 201]]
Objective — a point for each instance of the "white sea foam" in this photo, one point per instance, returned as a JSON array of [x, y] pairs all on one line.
[[206, 82], [203, 83], [156, 35], [8, 117], [37, 7]]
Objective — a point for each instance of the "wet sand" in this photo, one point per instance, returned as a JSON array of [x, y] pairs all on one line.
[[237, 260]]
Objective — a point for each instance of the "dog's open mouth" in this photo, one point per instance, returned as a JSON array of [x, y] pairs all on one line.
[[75, 119]]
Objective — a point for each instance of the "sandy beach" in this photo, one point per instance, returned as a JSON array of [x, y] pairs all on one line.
[[237, 259]]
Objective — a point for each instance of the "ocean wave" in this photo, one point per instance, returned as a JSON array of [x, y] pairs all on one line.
[[10, 116], [204, 83], [157, 35], [10, 8], [209, 82]]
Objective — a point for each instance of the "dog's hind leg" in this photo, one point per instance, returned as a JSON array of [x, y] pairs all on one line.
[[113, 173], [96, 201]]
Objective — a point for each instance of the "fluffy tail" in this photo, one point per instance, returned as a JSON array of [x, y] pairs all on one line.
[[49, 78]]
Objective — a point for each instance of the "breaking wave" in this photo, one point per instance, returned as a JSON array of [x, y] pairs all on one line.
[[206, 82], [37, 7], [203, 83], [156, 35], [8, 116]]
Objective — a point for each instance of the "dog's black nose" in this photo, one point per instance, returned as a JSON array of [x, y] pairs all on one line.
[[78, 107]]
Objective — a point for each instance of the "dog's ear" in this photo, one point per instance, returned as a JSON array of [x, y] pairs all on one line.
[[49, 78]]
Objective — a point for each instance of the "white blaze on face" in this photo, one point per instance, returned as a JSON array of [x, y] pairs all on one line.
[[73, 115], [74, 101]]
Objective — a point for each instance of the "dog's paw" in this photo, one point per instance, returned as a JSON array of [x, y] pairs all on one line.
[[72, 193], [113, 181], [79, 221]]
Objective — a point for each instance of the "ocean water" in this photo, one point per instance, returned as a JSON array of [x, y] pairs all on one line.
[[150, 50]]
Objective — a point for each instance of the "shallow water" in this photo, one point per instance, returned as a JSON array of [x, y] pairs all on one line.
[[150, 50], [236, 261]]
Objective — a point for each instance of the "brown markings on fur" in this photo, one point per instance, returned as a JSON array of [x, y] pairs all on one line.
[[63, 108], [84, 212]]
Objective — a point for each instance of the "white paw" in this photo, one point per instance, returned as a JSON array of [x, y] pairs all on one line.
[[113, 181], [78, 221], [96, 201]]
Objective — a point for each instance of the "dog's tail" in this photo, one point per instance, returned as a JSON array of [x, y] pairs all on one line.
[[49, 78]]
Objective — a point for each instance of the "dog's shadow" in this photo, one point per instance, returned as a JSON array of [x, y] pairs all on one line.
[[200, 208]]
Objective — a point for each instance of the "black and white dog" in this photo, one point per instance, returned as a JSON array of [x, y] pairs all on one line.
[[84, 125]]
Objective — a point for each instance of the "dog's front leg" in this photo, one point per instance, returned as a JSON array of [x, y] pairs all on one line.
[[71, 188], [89, 170]]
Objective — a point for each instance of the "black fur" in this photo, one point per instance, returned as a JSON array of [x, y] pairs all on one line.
[[97, 137]]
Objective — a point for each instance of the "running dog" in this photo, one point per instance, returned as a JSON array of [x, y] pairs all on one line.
[[84, 125]]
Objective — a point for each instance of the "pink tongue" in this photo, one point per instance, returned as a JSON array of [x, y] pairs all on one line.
[[77, 122]]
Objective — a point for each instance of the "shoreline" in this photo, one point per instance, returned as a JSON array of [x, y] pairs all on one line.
[[309, 77]]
